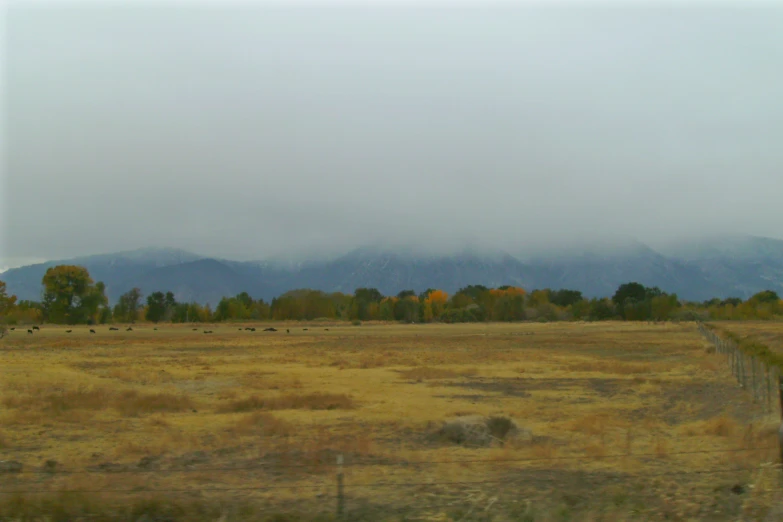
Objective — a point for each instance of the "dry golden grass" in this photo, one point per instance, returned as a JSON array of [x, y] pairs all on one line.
[[586, 393], [262, 423]]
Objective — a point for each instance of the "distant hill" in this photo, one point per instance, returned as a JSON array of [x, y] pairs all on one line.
[[739, 266]]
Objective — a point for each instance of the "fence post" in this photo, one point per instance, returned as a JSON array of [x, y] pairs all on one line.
[[341, 487], [780, 430], [753, 377]]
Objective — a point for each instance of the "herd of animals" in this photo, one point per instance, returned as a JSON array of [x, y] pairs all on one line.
[[130, 329]]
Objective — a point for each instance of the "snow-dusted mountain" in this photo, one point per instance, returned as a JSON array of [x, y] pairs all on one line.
[[723, 267]]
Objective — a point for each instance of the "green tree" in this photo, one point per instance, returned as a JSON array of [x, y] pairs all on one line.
[[6, 305], [601, 309], [406, 293], [767, 296], [127, 308], [7, 302], [363, 298], [156, 306], [171, 305], [70, 295], [663, 307], [565, 298], [628, 299]]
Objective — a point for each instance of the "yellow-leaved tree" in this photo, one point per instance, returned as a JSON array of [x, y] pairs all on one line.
[[437, 300]]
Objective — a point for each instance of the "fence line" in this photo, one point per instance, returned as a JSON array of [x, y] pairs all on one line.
[[369, 484], [753, 375], [405, 464]]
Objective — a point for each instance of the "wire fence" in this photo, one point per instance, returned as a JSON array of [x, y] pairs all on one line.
[[759, 379], [342, 488]]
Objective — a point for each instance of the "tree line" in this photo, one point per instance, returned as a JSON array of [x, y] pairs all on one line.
[[70, 296]]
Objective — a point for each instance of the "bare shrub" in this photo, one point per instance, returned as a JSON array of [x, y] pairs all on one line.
[[466, 431], [475, 430], [499, 427]]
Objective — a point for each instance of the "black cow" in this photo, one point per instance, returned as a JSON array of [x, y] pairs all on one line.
[[36, 328], [92, 331], [111, 328], [68, 331], [30, 332]]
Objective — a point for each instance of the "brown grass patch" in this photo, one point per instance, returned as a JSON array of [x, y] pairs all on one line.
[[57, 401], [311, 401], [263, 423], [132, 403], [4, 442], [595, 449], [615, 367], [592, 424], [716, 427], [425, 372], [544, 450], [661, 447], [158, 421]]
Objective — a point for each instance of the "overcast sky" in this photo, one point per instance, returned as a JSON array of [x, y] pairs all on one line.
[[253, 130]]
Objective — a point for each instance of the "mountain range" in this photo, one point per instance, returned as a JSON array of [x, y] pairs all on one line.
[[696, 270]]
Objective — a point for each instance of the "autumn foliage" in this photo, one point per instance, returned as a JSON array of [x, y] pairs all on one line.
[[70, 296]]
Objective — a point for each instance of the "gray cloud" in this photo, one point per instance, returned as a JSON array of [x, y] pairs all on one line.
[[247, 131]]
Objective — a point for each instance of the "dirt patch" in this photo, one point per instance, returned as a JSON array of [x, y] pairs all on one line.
[[522, 387]]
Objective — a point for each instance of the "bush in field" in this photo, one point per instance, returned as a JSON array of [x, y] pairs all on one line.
[[476, 430], [499, 426]]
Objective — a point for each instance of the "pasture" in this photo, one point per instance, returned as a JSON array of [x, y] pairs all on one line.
[[611, 421]]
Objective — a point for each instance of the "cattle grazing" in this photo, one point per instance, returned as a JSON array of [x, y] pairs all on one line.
[[287, 330], [326, 329], [207, 331], [195, 329], [36, 328], [12, 329], [305, 329], [240, 329], [155, 328], [252, 329], [30, 332], [68, 331], [270, 329], [92, 331], [111, 328], [129, 329]]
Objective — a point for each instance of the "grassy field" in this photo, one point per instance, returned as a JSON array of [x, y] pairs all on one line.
[[611, 421], [768, 333]]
